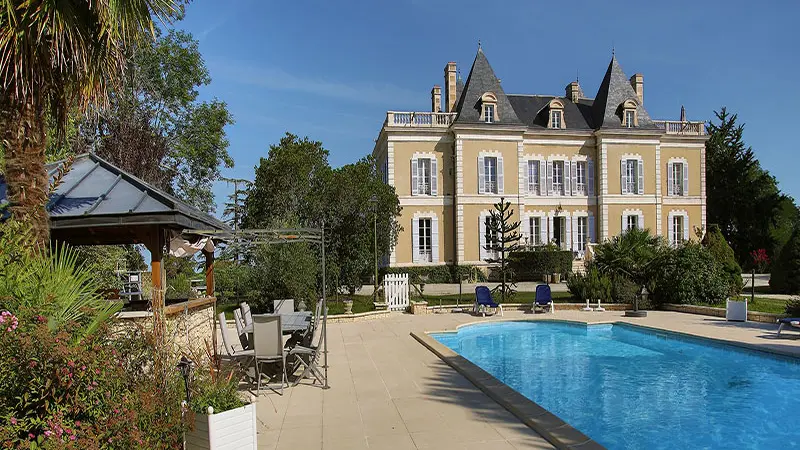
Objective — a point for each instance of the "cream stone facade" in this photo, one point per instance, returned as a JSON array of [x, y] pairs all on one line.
[[577, 170]]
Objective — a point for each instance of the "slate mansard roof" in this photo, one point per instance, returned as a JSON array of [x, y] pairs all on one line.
[[532, 110]]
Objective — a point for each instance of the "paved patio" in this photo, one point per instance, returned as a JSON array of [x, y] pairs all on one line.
[[390, 392]]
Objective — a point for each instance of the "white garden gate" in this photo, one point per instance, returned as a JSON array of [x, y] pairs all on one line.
[[395, 291]]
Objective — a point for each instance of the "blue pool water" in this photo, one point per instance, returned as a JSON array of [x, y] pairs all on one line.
[[631, 388]]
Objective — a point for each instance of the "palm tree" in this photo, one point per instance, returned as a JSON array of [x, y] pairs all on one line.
[[57, 56], [634, 254]]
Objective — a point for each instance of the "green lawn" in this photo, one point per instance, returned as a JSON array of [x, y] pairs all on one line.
[[760, 304]]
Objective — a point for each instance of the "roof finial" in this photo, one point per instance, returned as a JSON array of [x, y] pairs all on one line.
[[613, 50], [577, 78], [479, 44]]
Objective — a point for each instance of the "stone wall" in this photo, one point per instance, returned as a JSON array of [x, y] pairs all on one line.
[[189, 325]]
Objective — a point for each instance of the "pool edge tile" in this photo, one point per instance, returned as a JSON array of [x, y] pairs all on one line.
[[548, 425]]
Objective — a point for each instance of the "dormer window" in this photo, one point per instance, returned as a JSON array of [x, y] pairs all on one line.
[[629, 119], [489, 108], [556, 118], [488, 113]]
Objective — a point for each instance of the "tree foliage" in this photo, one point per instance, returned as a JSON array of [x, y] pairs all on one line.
[[722, 253], [59, 56], [743, 198], [290, 184], [502, 239], [786, 270], [295, 185]]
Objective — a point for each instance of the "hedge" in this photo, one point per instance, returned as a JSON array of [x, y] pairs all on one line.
[[448, 273], [530, 265]]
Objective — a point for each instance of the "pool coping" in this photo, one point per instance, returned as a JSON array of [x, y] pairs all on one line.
[[548, 425]]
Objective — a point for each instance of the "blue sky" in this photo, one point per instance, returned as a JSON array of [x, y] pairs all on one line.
[[331, 70]]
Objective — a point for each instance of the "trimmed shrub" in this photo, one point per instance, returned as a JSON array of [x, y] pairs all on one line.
[[623, 290], [793, 307], [785, 276], [448, 273], [723, 254], [530, 265], [690, 275], [591, 285]]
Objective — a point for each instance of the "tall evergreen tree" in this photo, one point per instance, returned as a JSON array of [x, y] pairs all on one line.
[[502, 238], [743, 198]]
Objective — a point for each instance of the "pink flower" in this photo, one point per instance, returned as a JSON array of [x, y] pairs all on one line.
[[30, 435], [72, 438], [48, 433], [13, 421], [77, 423]]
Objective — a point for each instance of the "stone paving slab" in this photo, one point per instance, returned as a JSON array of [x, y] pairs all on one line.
[[390, 392]]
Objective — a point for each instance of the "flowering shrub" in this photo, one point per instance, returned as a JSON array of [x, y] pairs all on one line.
[[8, 321], [760, 259], [59, 393]]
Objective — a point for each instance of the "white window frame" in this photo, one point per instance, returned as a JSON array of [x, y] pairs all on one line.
[[630, 118], [489, 110], [425, 243], [535, 224], [682, 183], [677, 230], [490, 179], [581, 233], [482, 242], [631, 222], [423, 185], [581, 177], [558, 188], [534, 186], [422, 169], [636, 185], [676, 235], [556, 118]]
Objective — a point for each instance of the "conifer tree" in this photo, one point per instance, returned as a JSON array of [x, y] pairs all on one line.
[[502, 239]]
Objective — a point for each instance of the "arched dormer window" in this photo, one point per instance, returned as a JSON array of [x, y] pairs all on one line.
[[489, 108], [556, 115], [628, 114]]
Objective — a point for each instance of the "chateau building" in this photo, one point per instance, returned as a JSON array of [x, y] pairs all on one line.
[[577, 170]]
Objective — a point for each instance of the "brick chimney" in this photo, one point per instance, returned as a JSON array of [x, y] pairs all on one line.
[[450, 86], [637, 82], [436, 99], [574, 92]]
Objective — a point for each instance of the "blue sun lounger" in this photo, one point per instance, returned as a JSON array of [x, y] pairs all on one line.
[[483, 301], [544, 299], [790, 321]]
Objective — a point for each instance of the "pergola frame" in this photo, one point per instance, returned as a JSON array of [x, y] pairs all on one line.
[[279, 236]]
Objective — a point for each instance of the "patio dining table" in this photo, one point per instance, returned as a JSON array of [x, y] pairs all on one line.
[[290, 322]]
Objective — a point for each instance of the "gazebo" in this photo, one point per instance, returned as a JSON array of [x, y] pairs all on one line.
[[97, 203]]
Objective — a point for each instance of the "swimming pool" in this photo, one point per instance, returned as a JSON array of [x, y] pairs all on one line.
[[632, 388]]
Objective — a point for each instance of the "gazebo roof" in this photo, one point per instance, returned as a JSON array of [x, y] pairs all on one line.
[[97, 196]]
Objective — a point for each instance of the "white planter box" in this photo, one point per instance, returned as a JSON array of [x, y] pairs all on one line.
[[230, 430], [735, 310]]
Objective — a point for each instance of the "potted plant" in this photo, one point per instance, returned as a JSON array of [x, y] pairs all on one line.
[[348, 306], [217, 415]]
